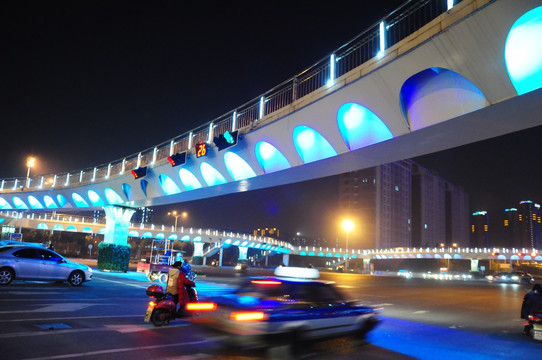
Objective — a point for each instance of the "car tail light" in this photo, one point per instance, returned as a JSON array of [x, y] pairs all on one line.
[[203, 306], [248, 316], [266, 282]]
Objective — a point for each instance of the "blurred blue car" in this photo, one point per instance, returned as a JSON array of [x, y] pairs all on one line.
[[290, 308]]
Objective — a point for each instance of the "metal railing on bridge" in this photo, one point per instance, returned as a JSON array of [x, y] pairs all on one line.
[[371, 43]]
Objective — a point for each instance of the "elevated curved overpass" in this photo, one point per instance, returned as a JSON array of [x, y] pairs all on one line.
[[466, 75]]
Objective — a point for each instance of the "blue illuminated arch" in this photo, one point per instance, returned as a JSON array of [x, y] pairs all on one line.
[[523, 53], [185, 238], [49, 202], [160, 236], [172, 237], [71, 228], [144, 184], [211, 176], [360, 127], [58, 227], [2, 220], [197, 239], [4, 205], [237, 167], [269, 158], [189, 180], [101, 231], [133, 233], [168, 186], [127, 190], [310, 145], [87, 230], [94, 198], [19, 204], [146, 235], [79, 201], [62, 201], [112, 197], [42, 226], [34, 203]]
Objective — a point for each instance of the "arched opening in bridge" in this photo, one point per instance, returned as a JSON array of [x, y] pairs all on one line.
[[435, 95], [133, 233], [168, 186], [311, 145], [19, 204], [211, 176], [49, 202], [58, 227], [237, 167], [523, 53], [189, 180], [42, 226], [361, 127], [112, 197], [34, 203], [4, 205], [79, 201], [71, 228], [94, 198], [86, 230], [62, 201], [269, 158], [127, 190]]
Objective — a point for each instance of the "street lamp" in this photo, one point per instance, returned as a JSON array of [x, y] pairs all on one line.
[[347, 225], [30, 162], [177, 216]]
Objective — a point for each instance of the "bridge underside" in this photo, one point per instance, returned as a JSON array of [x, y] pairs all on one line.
[[512, 115]]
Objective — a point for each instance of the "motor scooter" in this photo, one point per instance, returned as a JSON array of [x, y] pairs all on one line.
[[162, 309], [535, 324]]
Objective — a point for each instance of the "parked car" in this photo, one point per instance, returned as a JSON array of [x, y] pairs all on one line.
[[28, 262], [289, 308], [515, 277]]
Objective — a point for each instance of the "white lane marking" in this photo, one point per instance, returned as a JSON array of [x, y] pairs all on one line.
[[124, 283], [126, 328], [420, 312], [65, 307], [73, 318], [104, 352]]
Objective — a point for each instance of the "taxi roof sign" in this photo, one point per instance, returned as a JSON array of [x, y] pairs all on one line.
[[297, 272]]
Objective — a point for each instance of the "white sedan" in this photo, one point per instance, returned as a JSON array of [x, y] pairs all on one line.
[[29, 262]]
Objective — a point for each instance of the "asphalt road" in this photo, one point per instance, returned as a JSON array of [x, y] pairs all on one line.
[[103, 319]]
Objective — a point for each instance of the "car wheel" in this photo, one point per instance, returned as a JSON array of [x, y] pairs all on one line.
[[76, 278], [6, 276]]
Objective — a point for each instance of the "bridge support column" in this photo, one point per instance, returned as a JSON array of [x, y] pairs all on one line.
[[286, 259], [197, 257], [220, 255], [117, 222], [474, 264], [243, 250], [114, 252], [366, 265]]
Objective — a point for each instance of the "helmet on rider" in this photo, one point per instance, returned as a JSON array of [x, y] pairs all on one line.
[[177, 265]]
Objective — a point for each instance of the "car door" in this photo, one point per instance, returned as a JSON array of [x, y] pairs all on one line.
[[52, 266], [27, 264]]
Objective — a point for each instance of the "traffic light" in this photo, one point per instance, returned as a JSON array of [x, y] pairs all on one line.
[[226, 140], [177, 159], [139, 172]]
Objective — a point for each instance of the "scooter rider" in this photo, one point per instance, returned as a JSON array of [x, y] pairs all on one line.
[[172, 287], [531, 301], [183, 283]]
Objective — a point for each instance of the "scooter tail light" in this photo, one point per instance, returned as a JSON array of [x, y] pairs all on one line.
[[203, 306], [152, 303], [248, 316]]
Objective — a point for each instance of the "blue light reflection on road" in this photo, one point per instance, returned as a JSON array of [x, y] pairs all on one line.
[[428, 342]]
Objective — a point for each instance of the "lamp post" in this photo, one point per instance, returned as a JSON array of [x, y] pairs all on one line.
[[177, 216], [347, 225], [30, 162]]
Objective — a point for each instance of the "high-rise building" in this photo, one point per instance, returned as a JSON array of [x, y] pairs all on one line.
[[401, 204], [480, 230], [529, 224], [143, 215], [511, 235]]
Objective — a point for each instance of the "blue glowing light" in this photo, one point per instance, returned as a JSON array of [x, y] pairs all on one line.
[[19, 204], [49, 202], [87, 230], [211, 176], [42, 226], [269, 158], [112, 196], [127, 190], [62, 201], [34, 203], [360, 127], [172, 237], [71, 228], [4, 205], [94, 198], [185, 238], [133, 233], [160, 236], [523, 53], [79, 201], [310, 145], [189, 180], [146, 235], [101, 231], [58, 227], [168, 186], [237, 167], [197, 239]]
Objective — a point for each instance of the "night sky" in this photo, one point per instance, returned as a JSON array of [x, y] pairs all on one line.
[[84, 83]]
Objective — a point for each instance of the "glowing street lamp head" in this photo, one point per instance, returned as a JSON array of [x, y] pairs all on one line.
[[30, 161], [347, 225]]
